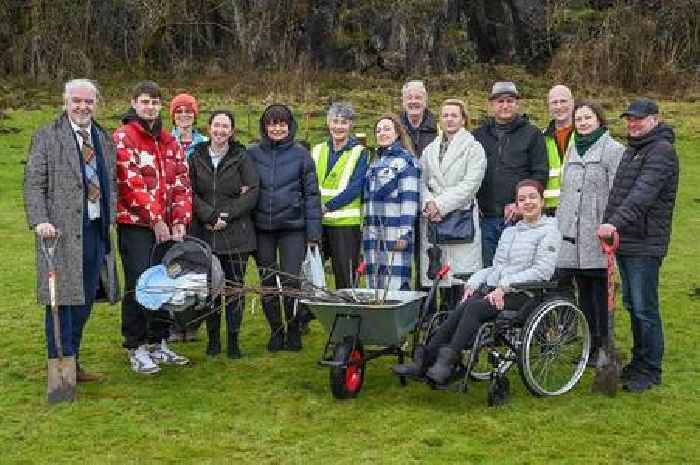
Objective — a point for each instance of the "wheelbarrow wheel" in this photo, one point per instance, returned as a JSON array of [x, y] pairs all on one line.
[[347, 377]]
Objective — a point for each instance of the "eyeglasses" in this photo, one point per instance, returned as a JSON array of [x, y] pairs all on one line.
[[183, 111]]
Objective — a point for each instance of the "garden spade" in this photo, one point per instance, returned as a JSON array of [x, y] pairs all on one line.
[[61, 370], [607, 371]]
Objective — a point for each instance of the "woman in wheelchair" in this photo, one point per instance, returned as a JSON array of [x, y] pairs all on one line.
[[526, 252]]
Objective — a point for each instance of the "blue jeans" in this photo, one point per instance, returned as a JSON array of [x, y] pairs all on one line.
[[640, 296], [491, 229]]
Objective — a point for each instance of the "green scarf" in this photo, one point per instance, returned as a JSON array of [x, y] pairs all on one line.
[[583, 143]]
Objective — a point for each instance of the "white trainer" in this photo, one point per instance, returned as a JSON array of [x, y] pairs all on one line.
[[141, 361], [161, 353]]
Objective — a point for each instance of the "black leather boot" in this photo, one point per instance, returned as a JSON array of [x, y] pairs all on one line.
[[232, 349], [417, 367], [213, 335], [441, 371]]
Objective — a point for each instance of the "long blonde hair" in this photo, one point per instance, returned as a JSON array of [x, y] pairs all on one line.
[[403, 136]]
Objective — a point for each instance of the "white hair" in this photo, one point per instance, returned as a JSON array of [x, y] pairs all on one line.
[[79, 84], [342, 110], [414, 85]]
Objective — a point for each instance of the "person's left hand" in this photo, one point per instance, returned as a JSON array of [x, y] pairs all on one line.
[[496, 298], [178, 232]]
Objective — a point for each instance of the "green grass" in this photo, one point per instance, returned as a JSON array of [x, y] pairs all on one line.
[[277, 409]]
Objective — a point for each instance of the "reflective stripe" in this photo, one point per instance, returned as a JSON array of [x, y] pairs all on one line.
[[549, 193], [344, 213], [554, 172]]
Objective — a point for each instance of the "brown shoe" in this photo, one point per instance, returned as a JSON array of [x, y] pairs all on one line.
[[83, 376]]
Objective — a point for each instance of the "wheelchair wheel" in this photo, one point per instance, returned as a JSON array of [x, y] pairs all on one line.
[[554, 350], [346, 379]]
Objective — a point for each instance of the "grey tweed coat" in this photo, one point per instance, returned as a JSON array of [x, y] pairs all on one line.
[[585, 186], [54, 193]]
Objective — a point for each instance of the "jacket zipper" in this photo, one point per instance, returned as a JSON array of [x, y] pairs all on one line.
[[213, 236]]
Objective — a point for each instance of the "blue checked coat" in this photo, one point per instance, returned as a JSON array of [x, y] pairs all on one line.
[[391, 199]]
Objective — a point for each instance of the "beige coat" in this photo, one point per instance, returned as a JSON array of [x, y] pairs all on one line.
[[452, 184], [54, 193]]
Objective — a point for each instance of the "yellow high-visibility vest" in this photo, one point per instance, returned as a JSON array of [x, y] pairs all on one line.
[[336, 182], [553, 188]]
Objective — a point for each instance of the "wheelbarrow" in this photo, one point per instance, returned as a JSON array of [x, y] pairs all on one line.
[[363, 330]]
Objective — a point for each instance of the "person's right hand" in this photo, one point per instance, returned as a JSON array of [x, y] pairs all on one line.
[[161, 231], [45, 230], [468, 292], [510, 211]]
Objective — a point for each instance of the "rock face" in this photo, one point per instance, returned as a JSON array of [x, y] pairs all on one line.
[[399, 36]]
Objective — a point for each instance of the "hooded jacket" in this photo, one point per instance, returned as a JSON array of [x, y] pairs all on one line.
[[519, 154], [289, 197], [217, 190], [152, 179], [643, 195]]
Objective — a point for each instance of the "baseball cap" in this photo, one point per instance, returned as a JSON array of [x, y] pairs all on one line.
[[503, 88], [641, 107]]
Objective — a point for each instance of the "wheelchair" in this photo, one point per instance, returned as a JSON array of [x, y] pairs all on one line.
[[548, 339]]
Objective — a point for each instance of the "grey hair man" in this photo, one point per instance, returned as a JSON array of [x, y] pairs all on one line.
[[341, 165], [70, 195], [640, 210], [418, 120]]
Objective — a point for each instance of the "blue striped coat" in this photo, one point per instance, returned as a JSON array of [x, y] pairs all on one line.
[[391, 199]]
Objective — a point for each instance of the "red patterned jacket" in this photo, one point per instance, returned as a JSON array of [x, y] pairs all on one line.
[[152, 178]]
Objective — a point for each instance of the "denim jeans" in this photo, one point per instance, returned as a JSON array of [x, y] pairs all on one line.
[[640, 296], [491, 229]]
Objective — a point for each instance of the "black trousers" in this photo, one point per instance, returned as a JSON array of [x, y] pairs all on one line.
[[139, 325], [291, 246], [459, 330], [234, 267], [592, 285], [342, 245]]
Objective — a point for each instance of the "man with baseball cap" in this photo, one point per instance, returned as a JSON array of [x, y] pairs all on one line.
[[640, 210], [515, 150]]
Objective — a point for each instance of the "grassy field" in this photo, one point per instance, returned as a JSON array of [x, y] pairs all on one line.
[[277, 409]]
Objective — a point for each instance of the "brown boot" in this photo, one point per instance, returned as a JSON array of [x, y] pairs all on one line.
[[83, 376]]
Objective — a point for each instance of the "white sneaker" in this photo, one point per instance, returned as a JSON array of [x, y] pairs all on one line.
[[141, 361], [161, 353]]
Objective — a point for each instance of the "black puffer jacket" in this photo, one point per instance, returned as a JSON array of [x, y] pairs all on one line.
[[643, 195], [217, 190], [519, 154], [289, 195]]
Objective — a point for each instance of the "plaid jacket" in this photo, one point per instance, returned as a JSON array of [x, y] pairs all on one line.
[[391, 198]]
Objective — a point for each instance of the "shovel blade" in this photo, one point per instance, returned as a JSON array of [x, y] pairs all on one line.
[[606, 378], [61, 380]]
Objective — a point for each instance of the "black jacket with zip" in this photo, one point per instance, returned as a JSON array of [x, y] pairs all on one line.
[[519, 154], [643, 195], [289, 195], [219, 190]]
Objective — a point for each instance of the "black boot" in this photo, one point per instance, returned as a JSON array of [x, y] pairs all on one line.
[[232, 349], [274, 319], [213, 335], [293, 342], [441, 371], [417, 368]]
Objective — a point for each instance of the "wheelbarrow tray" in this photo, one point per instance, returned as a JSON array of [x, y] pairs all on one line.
[[375, 324]]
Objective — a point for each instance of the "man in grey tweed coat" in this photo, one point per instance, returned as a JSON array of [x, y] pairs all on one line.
[[69, 189]]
